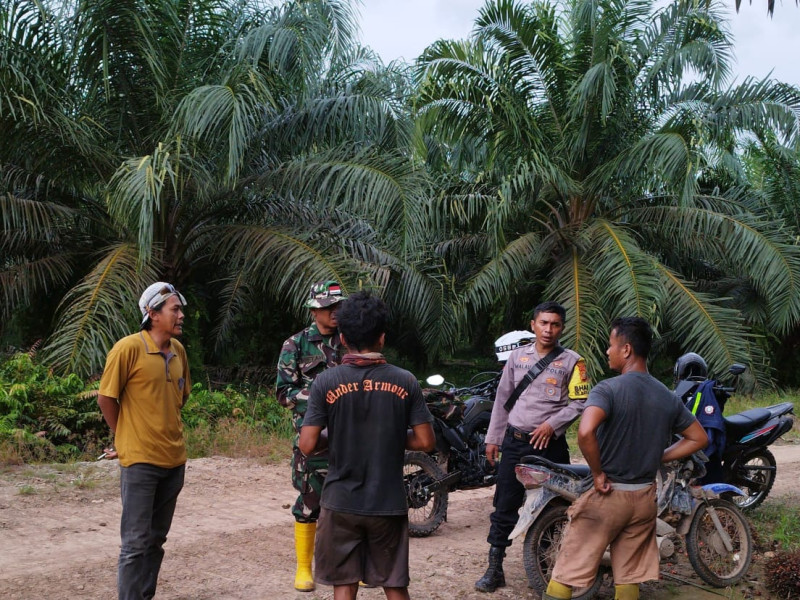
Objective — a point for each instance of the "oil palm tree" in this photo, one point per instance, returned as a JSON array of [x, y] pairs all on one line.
[[770, 5], [587, 151], [237, 149]]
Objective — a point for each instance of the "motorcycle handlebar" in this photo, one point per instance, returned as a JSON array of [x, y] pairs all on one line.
[[724, 389], [479, 388]]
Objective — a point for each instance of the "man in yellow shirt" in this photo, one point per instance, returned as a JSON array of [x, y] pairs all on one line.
[[144, 386]]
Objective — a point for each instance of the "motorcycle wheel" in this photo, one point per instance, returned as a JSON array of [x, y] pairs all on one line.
[[712, 562], [540, 549], [755, 482], [426, 511]]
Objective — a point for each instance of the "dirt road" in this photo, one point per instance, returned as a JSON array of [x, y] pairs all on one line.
[[232, 537]]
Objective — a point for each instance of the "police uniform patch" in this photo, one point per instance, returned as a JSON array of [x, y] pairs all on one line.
[[558, 363], [551, 391], [552, 380], [709, 410], [579, 381], [582, 370], [523, 359]]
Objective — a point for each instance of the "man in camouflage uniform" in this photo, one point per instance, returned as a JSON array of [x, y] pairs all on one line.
[[304, 356]]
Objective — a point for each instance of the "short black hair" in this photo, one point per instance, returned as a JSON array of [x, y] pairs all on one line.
[[637, 332], [550, 307], [148, 325], [361, 320]]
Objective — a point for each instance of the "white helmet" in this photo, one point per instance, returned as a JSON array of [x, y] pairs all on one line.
[[511, 341]]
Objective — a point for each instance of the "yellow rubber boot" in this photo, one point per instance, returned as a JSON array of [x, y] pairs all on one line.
[[628, 591], [557, 591], [304, 547]]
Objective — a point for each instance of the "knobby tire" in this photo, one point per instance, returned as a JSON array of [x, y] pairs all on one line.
[[425, 512], [754, 496], [540, 549], [707, 554]]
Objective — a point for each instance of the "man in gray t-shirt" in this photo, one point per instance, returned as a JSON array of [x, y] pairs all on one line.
[[624, 434], [642, 414]]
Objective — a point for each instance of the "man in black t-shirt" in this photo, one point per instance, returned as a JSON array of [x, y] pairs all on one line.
[[624, 434], [368, 407]]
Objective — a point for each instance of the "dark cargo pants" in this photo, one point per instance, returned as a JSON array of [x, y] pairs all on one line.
[[149, 495], [510, 493]]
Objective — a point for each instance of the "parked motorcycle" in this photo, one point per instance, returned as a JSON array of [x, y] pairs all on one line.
[[746, 461], [715, 532], [458, 462]]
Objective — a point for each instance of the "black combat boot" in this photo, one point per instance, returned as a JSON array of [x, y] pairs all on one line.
[[494, 576]]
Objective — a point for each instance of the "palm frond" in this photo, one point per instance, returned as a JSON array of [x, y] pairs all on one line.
[[232, 301], [281, 262], [495, 277], [98, 311], [24, 219], [23, 278], [528, 37], [623, 272], [700, 323], [757, 106], [296, 39], [225, 115], [762, 251], [363, 115], [670, 155], [425, 300], [686, 37], [586, 328], [146, 194], [382, 187]]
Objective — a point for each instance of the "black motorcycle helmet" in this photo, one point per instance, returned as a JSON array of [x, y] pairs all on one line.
[[690, 366]]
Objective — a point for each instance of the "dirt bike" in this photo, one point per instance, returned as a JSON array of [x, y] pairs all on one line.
[[745, 461], [458, 462], [715, 532]]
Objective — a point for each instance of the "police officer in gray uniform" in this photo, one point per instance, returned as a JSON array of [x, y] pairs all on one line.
[[535, 424]]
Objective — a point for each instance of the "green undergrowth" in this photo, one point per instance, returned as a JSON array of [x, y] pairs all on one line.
[[776, 525], [46, 418], [235, 439]]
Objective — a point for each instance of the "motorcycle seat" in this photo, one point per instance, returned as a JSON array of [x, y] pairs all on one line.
[[776, 410], [744, 422], [579, 471]]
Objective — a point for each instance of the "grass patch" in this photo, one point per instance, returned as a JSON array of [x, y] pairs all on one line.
[[234, 437], [88, 477], [26, 490], [9, 453], [237, 439], [84, 483], [50, 419], [776, 525], [67, 468]]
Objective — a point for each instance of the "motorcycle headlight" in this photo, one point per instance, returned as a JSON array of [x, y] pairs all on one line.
[[531, 477]]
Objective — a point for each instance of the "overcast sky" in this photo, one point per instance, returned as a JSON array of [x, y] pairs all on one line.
[[403, 28]]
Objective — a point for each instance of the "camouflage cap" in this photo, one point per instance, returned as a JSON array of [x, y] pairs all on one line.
[[324, 294]]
